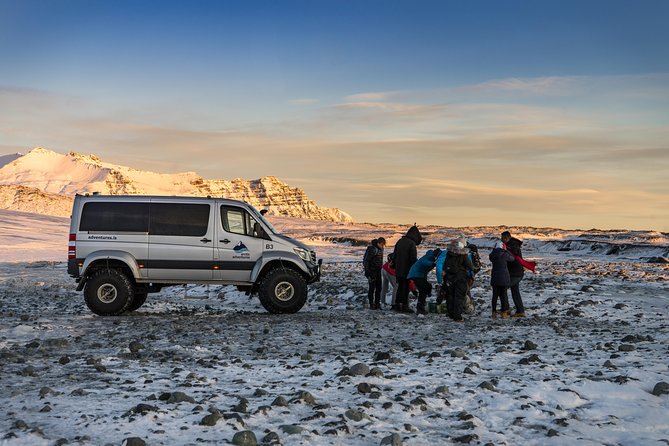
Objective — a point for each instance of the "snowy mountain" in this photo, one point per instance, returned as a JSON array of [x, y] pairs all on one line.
[[60, 177]]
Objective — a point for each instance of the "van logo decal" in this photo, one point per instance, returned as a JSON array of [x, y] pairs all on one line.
[[240, 248]]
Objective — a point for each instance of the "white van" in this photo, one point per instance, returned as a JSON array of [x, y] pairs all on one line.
[[123, 247]]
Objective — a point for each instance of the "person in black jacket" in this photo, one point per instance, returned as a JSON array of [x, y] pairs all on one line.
[[373, 261], [405, 257], [456, 278], [499, 278], [516, 271]]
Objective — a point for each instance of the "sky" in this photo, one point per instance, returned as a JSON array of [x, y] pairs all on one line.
[[531, 113]]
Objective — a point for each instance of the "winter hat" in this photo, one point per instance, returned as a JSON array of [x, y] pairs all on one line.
[[500, 245]]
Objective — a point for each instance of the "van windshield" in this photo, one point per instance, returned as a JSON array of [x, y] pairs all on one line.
[[257, 215]]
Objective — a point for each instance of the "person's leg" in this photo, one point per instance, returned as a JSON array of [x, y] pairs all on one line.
[[423, 290], [393, 282], [460, 289], [370, 291], [515, 295], [377, 290], [384, 285], [505, 301], [495, 298], [402, 293]]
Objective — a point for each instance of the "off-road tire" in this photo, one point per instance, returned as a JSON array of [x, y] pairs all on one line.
[[137, 301], [108, 292], [283, 290]]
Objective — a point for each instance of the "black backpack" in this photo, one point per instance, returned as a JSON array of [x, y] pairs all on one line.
[[476, 258], [453, 265]]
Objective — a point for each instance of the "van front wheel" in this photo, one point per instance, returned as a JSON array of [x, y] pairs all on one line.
[[283, 290], [108, 293]]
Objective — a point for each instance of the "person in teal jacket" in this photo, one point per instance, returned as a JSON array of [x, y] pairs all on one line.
[[418, 273]]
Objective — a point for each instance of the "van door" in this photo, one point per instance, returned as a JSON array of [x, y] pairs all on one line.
[[240, 244], [181, 241]]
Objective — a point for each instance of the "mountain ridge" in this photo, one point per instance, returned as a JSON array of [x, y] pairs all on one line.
[[60, 177]]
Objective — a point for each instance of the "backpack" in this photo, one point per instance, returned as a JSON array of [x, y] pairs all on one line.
[[369, 253], [391, 260], [476, 258], [453, 265]]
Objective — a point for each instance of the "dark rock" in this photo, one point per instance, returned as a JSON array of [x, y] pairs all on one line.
[[458, 353], [381, 356], [305, 397], [28, 371], [469, 371], [211, 419], [133, 441], [626, 348], [359, 369], [61, 442], [552, 433], [33, 344], [441, 390], [280, 401], [376, 372], [530, 359], [64, 360], [487, 386], [291, 429], [135, 346], [245, 438], [392, 440], [466, 438], [144, 408], [364, 388], [661, 388], [271, 437], [260, 392], [529, 345], [354, 415], [179, 397]]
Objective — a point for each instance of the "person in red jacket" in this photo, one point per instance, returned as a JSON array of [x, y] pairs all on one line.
[[388, 278]]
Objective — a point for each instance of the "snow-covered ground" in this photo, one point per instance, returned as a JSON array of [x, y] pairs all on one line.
[[197, 364]]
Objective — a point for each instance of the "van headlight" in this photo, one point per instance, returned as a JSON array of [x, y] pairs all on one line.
[[303, 253]]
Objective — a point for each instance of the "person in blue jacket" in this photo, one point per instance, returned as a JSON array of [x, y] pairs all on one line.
[[418, 273]]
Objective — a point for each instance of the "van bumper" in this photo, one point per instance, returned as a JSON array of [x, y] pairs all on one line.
[[314, 271]]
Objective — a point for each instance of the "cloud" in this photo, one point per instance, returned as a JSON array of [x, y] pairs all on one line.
[[304, 101]]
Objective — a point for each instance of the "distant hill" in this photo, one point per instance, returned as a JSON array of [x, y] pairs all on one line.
[[44, 182]]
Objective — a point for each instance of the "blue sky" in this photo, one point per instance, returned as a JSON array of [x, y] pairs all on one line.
[[449, 112]]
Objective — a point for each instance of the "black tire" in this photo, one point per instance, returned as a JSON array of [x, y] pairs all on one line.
[[137, 301], [283, 290], [108, 292]]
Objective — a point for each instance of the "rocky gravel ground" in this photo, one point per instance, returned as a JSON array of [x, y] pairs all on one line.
[[206, 365]]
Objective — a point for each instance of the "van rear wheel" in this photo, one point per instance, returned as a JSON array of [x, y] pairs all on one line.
[[137, 301], [283, 290], [108, 293]]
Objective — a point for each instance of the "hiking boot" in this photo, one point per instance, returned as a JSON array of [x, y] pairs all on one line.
[[504, 314], [421, 310], [458, 320], [518, 314], [406, 309], [495, 314]]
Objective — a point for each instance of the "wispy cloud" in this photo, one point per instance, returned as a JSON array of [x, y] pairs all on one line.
[[304, 101]]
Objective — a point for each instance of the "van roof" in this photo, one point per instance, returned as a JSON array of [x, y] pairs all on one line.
[[100, 197]]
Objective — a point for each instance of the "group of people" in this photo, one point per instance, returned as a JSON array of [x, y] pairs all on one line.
[[456, 267]]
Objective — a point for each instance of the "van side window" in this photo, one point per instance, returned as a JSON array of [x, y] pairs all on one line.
[[115, 216], [238, 221], [179, 219]]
